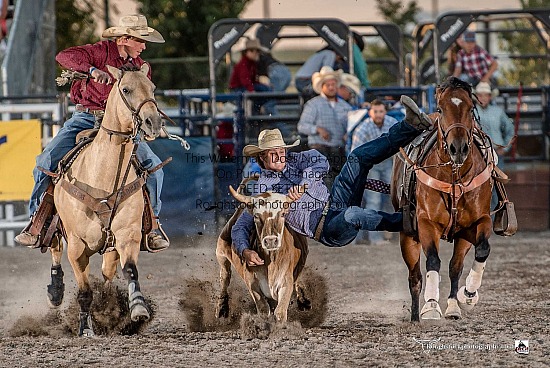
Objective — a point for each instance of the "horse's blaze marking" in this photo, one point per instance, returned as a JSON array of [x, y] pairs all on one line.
[[456, 101]]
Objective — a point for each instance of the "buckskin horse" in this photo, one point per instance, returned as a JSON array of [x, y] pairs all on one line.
[[99, 198], [453, 194]]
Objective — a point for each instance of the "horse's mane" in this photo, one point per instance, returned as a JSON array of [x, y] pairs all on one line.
[[128, 67], [453, 82]]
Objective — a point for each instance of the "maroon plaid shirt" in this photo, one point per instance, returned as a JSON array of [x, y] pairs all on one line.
[[88, 92], [476, 64]]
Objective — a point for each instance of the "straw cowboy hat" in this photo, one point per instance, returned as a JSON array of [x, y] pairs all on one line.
[[484, 87], [352, 82], [320, 77], [268, 139], [253, 44], [134, 26]]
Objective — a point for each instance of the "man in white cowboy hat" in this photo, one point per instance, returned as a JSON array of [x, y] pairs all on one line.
[[324, 119], [90, 96], [244, 77], [334, 217], [494, 121], [350, 89]]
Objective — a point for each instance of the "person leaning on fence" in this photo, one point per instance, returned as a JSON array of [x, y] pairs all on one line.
[[245, 78], [90, 96], [332, 218], [324, 119], [473, 63]]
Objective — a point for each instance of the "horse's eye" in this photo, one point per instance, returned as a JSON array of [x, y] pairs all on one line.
[[125, 90], [438, 110]]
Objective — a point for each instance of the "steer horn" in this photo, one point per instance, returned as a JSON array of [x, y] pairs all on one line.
[[239, 196]]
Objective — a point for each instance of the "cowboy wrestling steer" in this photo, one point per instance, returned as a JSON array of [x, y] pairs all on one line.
[[283, 250]]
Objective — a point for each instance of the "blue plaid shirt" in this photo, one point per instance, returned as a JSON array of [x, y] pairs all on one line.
[[308, 167], [318, 112]]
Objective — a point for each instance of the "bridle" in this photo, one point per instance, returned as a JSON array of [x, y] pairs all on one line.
[[137, 120]]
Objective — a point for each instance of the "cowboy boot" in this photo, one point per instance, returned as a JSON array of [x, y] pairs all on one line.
[[157, 241], [413, 115], [26, 238]]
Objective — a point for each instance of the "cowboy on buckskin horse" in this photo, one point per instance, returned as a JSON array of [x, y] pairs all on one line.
[[90, 97]]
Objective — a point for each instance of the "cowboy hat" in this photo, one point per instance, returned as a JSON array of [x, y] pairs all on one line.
[[253, 44], [134, 26], [352, 82], [320, 77], [268, 139], [484, 87]]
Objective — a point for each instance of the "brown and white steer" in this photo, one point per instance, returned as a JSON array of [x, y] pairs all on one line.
[[283, 250]]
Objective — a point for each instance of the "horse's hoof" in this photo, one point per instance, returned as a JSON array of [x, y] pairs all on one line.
[[139, 313], [431, 310], [55, 295], [453, 311], [466, 300], [303, 304], [222, 309], [88, 332]]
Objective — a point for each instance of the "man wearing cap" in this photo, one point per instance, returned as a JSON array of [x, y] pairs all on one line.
[[90, 97], [244, 76], [473, 63], [324, 119], [332, 218]]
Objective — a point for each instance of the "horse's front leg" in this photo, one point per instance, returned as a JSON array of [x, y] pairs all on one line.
[[56, 289], [429, 237], [80, 262], [461, 248], [468, 295], [410, 250], [127, 245]]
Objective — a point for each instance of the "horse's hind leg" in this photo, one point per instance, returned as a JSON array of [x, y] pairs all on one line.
[[56, 289], [410, 250], [468, 295], [456, 265], [81, 267], [222, 308]]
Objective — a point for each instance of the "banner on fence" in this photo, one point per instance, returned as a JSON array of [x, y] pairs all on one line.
[[20, 143]]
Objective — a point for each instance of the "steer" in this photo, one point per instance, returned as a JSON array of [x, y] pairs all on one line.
[[283, 250]]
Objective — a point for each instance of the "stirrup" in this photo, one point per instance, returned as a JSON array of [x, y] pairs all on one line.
[[145, 241]]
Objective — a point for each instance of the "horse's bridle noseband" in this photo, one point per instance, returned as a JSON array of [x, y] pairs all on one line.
[[135, 117]]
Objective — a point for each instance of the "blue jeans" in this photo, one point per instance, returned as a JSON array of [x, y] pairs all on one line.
[[345, 216], [279, 77], [64, 141]]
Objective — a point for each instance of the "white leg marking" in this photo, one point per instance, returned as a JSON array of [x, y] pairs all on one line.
[[473, 281], [432, 286]]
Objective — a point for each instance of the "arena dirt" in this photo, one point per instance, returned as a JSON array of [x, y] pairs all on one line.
[[360, 315]]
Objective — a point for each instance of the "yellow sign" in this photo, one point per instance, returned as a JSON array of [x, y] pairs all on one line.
[[20, 143]]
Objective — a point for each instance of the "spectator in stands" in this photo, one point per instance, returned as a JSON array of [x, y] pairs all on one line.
[[494, 121], [3, 17], [359, 64], [245, 76], [350, 89], [368, 130], [324, 119], [473, 63], [303, 77], [90, 96], [277, 73], [330, 217]]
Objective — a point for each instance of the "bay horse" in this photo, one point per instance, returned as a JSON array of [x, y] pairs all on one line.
[[453, 195], [99, 198]]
